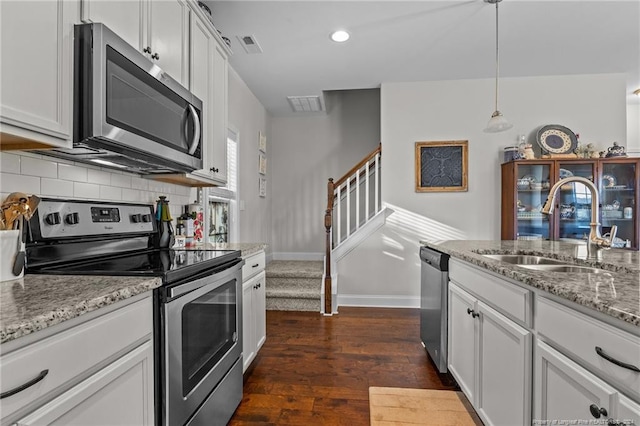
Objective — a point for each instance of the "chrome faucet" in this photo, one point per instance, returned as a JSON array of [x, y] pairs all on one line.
[[595, 240]]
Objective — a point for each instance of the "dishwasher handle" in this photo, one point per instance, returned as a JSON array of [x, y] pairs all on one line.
[[434, 258]]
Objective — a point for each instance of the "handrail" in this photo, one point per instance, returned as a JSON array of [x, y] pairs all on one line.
[[357, 167], [328, 220]]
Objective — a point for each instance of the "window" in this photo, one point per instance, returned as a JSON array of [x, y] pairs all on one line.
[[222, 201]]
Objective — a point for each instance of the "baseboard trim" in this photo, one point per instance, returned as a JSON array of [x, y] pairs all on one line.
[[297, 256], [378, 301]]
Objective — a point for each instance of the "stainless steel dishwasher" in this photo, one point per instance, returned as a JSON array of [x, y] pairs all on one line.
[[433, 305]]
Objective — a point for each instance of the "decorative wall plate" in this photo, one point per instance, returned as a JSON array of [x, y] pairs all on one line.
[[556, 139]]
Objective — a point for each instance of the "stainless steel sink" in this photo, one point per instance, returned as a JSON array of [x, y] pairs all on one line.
[[563, 268], [523, 259]]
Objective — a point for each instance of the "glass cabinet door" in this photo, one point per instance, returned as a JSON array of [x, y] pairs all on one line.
[[618, 201], [532, 189], [573, 201]]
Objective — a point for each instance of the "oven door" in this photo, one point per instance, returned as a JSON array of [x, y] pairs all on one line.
[[202, 341]]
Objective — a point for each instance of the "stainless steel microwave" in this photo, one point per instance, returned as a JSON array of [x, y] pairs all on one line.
[[128, 113]]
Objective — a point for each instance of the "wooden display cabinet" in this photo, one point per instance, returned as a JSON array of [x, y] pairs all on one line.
[[526, 184]]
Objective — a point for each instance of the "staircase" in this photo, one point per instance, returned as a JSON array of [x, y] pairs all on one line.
[[354, 212], [294, 285]]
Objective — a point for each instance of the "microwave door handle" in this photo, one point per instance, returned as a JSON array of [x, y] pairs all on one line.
[[196, 133]]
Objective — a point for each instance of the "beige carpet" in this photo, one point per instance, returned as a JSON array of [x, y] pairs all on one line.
[[398, 406]]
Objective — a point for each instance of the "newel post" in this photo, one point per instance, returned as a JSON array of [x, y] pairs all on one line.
[[328, 218]]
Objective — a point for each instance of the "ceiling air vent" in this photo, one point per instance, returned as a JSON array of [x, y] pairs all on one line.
[[305, 103], [250, 44]]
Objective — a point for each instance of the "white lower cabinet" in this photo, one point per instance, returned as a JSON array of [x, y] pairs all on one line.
[[253, 318], [490, 357], [567, 392], [119, 394], [98, 371]]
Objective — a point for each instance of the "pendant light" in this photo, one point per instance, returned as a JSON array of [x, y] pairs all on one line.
[[497, 123]]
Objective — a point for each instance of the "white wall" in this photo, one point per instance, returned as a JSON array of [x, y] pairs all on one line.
[[248, 117], [306, 151], [592, 105]]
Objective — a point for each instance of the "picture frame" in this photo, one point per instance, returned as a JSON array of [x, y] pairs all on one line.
[[262, 142], [262, 164], [441, 166], [262, 187]]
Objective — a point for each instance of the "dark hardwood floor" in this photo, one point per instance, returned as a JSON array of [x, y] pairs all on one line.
[[316, 370]]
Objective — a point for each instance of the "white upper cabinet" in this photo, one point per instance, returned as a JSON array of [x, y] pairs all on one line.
[[209, 83], [36, 73], [159, 29]]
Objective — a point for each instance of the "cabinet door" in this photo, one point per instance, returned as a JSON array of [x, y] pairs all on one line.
[[619, 198], [119, 394], [260, 311], [462, 339], [248, 339], [124, 17], [564, 390], [201, 85], [218, 144], [504, 369], [628, 411], [169, 37], [573, 200], [532, 183], [35, 72]]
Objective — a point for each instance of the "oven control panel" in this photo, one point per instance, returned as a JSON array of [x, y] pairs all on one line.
[[59, 218]]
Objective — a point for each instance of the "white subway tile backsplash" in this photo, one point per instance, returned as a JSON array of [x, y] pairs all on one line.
[[98, 176], [56, 187], [10, 182], [38, 167], [133, 195], [110, 193], [86, 190], [70, 172], [9, 163], [123, 181], [139, 183]]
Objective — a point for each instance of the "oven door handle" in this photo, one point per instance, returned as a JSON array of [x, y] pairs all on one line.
[[183, 289]]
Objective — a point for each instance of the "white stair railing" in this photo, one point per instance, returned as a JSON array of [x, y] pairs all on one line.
[[347, 199]]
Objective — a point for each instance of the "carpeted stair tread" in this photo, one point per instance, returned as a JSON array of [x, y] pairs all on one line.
[[293, 293], [294, 285], [294, 269]]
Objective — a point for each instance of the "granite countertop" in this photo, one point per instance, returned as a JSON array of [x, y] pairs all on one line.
[[615, 292], [247, 249], [36, 302]]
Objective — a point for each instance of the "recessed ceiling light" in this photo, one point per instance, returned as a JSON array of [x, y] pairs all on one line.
[[340, 36]]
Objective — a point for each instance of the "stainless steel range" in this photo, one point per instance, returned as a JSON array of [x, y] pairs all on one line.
[[198, 308]]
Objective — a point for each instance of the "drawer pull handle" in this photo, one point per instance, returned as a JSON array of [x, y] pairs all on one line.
[[255, 266], [600, 352], [20, 388]]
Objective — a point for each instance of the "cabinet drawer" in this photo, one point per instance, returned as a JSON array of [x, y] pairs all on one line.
[[509, 299], [68, 354], [579, 335], [252, 265]]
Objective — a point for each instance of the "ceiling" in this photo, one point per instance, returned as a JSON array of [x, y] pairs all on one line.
[[399, 41]]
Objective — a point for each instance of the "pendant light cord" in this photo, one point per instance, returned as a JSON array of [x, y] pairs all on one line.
[[497, 56]]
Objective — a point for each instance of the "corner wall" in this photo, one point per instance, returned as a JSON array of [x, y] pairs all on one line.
[[592, 105], [247, 116]]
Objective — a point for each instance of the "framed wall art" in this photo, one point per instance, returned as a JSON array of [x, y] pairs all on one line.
[[262, 164], [262, 142], [441, 166], [262, 187]]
